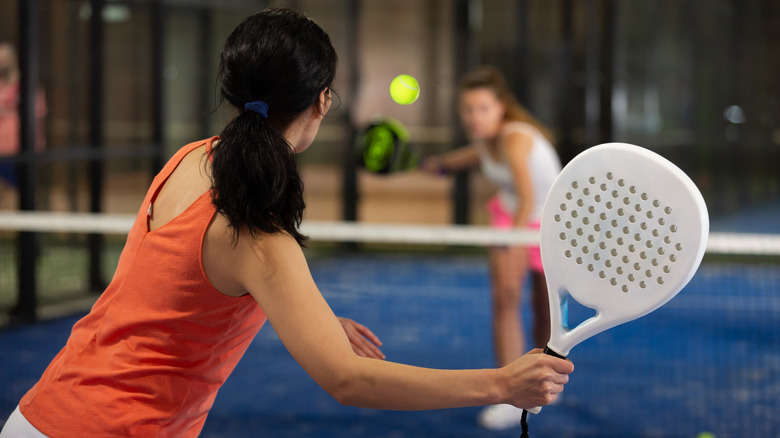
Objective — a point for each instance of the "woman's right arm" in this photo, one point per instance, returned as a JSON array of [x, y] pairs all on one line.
[[274, 270], [458, 159]]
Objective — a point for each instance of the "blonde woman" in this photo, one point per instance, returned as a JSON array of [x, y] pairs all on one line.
[[516, 153]]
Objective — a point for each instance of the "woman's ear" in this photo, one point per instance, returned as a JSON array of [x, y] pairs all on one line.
[[323, 103]]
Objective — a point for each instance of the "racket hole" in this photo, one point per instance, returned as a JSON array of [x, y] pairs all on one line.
[[673, 258], [632, 218], [649, 214], [660, 280], [637, 237], [608, 205], [667, 269], [586, 191], [563, 207], [673, 228], [620, 212], [613, 281], [573, 243], [655, 233], [614, 223], [632, 189], [668, 210], [574, 184], [638, 208], [567, 225], [625, 260], [614, 194], [602, 245], [624, 288], [643, 225], [579, 231], [603, 187], [597, 227], [562, 236], [661, 221], [654, 262], [574, 213], [642, 284], [656, 203], [608, 263], [609, 176], [636, 266], [557, 218], [630, 277], [626, 201], [591, 209], [579, 260], [660, 251], [591, 239], [603, 216], [597, 198], [580, 202], [591, 268], [643, 196], [649, 244], [631, 248], [585, 220], [567, 253], [621, 183], [667, 240], [678, 247], [642, 255], [596, 257], [625, 230], [602, 274], [619, 240], [592, 180], [608, 234], [569, 196], [613, 251], [648, 273], [585, 250]]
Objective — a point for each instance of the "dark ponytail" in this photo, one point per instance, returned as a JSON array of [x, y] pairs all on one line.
[[285, 60]]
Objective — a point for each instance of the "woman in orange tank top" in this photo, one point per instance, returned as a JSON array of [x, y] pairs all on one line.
[[215, 251]]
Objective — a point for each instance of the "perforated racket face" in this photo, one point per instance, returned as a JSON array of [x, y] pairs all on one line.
[[623, 230]]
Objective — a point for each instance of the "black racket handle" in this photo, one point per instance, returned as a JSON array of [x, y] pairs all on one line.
[[548, 350]]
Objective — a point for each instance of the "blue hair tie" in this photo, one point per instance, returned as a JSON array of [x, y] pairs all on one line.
[[257, 106]]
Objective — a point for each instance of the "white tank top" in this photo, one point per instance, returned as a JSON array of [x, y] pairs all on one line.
[[543, 162]]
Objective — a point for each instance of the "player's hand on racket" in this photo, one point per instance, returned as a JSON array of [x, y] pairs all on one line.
[[536, 379], [364, 342]]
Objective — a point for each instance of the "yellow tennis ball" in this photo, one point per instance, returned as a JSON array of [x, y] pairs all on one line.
[[404, 89], [706, 435]]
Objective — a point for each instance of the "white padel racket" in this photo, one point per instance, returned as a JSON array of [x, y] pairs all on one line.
[[623, 231]]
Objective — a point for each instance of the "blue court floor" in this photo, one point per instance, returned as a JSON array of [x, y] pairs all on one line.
[[707, 361]]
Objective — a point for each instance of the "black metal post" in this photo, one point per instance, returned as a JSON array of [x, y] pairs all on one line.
[[349, 182], [27, 242], [606, 129], [460, 191], [521, 58], [566, 98], [157, 10], [96, 120]]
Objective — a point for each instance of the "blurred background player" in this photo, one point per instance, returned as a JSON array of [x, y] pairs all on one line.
[[516, 153]]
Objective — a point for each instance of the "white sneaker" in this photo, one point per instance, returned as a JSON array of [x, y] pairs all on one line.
[[500, 417]]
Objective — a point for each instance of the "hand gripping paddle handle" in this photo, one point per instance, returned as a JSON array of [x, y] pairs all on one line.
[[547, 350]]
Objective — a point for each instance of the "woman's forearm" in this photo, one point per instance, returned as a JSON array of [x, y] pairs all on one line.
[[387, 385]]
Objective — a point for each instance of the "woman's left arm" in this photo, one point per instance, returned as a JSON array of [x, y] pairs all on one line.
[[517, 147]]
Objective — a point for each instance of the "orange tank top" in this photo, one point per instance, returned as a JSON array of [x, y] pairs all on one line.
[[159, 342]]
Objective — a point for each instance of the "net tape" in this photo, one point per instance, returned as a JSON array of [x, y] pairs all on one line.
[[465, 235]]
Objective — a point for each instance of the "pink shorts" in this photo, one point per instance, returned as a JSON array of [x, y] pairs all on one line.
[[501, 218]]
